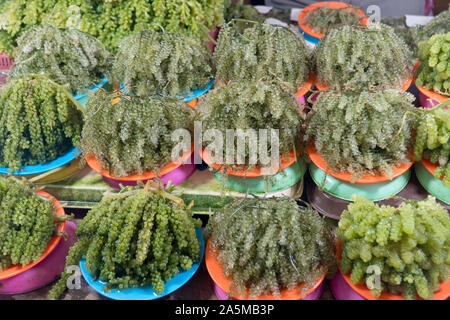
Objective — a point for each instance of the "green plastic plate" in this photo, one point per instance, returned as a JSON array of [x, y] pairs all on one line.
[[434, 186], [372, 191], [280, 181]]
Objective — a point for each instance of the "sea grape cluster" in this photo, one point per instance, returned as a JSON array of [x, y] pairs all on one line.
[[133, 135], [68, 57], [39, 121], [26, 223], [136, 237], [324, 19], [268, 245], [252, 105], [261, 52], [409, 34], [438, 25], [110, 20], [407, 247], [239, 10], [433, 72], [356, 58], [170, 64], [433, 140], [363, 132]]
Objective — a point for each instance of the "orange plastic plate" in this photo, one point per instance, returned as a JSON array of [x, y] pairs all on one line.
[[17, 269], [431, 167], [215, 270], [346, 176], [97, 167], [256, 172], [430, 94], [305, 88], [331, 5], [322, 87], [442, 294]]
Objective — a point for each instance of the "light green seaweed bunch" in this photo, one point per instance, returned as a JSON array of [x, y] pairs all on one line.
[[169, 64], [133, 135], [138, 237], [268, 245], [433, 140], [110, 20], [363, 133], [261, 52], [356, 58], [433, 73], [251, 107], [68, 57], [407, 248]]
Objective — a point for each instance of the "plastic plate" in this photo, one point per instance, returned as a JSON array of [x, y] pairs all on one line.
[[41, 168], [215, 270], [424, 172], [442, 294], [82, 95], [372, 191], [346, 176], [195, 93], [307, 30], [145, 293], [18, 269]]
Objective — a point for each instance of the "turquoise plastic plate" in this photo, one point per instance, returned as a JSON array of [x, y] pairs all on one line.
[[434, 186], [41, 168], [309, 37], [372, 191], [146, 293], [194, 95], [83, 98], [278, 182]]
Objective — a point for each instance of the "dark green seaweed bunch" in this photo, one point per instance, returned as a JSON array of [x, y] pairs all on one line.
[[362, 58], [137, 237], [68, 57], [267, 245], [252, 106], [26, 223], [39, 121], [433, 140], [324, 19], [239, 10], [363, 133], [170, 64], [133, 135], [261, 52], [439, 24], [407, 247]]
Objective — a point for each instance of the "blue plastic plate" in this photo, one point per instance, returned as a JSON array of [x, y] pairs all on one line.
[[41, 168], [309, 37], [194, 95], [146, 293], [94, 88], [83, 98], [198, 93]]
